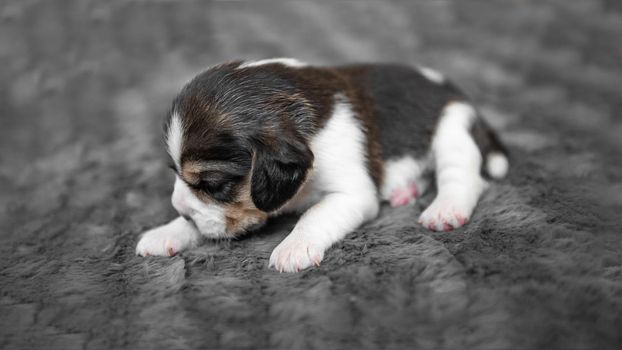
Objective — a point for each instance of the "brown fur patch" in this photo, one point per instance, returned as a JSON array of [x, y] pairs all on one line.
[[242, 213], [363, 107], [191, 171]]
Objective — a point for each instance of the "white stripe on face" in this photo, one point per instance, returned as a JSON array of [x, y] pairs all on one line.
[[174, 139]]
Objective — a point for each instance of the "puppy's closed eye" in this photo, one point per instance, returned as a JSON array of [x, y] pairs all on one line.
[[219, 185], [213, 181]]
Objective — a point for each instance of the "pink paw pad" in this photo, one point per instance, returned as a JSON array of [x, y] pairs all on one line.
[[450, 227], [462, 220], [170, 248], [440, 216], [404, 196]]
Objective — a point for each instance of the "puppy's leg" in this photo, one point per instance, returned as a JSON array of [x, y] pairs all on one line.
[[458, 163], [348, 196], [325, 223], [403, 181], [169, 239]]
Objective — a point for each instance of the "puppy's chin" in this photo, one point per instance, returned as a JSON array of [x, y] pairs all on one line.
[[216, 228], [210, 226], [237, 227]]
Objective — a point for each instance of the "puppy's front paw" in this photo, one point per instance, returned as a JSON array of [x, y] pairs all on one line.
[[445, 214], [164, 241], [295, 253]]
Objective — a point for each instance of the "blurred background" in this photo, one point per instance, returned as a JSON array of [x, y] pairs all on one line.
[[84, 88]]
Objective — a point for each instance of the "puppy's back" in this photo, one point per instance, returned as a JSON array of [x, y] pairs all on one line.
[[405, 104]]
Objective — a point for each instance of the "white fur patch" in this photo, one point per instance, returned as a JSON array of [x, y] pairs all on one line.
[[401, 173], [341, 180], [295, 253], [458, 163], [290, 62], [432, 75], [403, 180], [174, 139], [344, 171], [209, 219], [497, 165], [169, 239]]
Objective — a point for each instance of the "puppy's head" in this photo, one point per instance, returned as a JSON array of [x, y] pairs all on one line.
[[238, 140]]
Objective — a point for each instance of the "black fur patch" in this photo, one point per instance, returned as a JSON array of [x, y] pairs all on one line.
[[406, 106], [278, 173], [487, 142]]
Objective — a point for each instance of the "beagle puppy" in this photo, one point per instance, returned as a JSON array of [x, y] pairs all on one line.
[[255, 139]]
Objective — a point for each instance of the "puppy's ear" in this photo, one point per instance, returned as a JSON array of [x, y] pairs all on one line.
[[278, 172]]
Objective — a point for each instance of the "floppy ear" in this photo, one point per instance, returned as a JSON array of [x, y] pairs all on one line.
[[278, 173]]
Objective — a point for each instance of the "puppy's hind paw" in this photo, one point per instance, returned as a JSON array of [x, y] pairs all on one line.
[[445, 215], [404, 196]]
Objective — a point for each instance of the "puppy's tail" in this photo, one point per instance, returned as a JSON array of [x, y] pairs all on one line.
[[495, 156], [497, 165]]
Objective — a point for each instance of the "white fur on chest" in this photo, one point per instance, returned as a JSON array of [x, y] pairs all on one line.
[[339, 161], [338, 197]]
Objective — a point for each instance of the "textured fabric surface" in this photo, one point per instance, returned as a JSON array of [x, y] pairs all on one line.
[[85, 85]]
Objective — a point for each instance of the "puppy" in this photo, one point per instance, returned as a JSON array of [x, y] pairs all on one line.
[[252, 140]]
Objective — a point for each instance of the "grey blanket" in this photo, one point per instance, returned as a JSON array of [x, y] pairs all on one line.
[[84, 87]]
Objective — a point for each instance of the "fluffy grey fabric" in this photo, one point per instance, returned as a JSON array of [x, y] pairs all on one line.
[[84, 87]]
